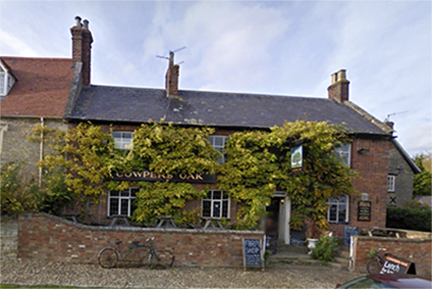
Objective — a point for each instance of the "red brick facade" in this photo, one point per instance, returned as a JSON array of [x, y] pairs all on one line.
[[45, 237], [371, 166]]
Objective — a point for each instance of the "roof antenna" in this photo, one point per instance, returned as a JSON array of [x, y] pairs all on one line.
[[394, 113], [171, 57]]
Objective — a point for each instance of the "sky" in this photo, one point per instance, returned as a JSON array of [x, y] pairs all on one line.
[[264, 47]]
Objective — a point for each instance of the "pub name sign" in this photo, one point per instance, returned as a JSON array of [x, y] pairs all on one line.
[[154, 177]]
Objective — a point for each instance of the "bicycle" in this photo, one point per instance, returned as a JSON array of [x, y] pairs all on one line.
[[108, 257], [374, 266]]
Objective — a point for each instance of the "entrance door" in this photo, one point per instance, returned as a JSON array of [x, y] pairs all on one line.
[[277, 223]]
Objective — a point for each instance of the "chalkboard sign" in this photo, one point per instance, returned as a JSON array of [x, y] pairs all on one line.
[[396, 265], [252, 253], [348, 232], [364, 211]]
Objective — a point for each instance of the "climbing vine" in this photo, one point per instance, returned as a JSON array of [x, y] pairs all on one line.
[[257, 164]]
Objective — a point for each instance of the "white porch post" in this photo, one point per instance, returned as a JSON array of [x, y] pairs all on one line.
[[284, 219]]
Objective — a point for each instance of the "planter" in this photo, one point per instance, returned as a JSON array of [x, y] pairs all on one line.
[[311, 244]]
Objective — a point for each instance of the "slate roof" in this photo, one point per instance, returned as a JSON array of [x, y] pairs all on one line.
[[219, 109], [41, 88]]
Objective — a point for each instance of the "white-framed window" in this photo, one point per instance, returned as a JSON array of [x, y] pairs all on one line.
[[123, 140], [3, 128], [338, 210], [216, 204], [391, 182], [121, 202], [343, 154], [6, 81], [218, 142]]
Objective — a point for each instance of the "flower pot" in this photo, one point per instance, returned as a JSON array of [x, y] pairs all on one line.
[[311, 244]]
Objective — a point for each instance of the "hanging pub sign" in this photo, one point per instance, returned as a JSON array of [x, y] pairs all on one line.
[[364, 211], [154, 177], [297, 159]]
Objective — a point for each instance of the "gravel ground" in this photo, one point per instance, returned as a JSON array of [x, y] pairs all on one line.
[[55, 273]]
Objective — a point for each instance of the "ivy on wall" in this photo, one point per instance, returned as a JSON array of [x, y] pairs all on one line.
[[257, 164]]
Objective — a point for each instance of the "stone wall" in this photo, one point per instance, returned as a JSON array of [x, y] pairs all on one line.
[[15, 145], [415, 247], [46, 237], [404, 176], [8, 238]]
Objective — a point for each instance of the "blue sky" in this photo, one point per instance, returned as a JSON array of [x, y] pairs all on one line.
[[267, 47]]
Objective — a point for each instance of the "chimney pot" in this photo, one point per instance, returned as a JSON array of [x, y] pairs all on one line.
[[86, 24], [78, 21]]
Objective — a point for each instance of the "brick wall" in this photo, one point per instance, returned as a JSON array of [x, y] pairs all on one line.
[[417, 250], [8, 238], [46, 237], [372, 170]]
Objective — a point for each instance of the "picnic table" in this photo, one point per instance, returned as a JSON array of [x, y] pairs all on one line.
[[166, 222], [119, 218], [214, 223]]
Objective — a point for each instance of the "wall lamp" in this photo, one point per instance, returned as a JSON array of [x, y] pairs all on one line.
[[362, 150]]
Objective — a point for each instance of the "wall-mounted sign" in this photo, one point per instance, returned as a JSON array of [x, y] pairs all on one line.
[[364, 211], [154, 177], [297, 158]]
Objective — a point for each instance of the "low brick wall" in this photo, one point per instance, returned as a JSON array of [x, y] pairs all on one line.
[[47, 237], [8, 238], [416, 247]]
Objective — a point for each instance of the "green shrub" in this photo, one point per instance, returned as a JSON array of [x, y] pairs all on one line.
[[417, 219], [325, 250], [18, 193]]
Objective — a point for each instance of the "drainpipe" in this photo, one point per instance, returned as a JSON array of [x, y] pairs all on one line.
[[41, 151]]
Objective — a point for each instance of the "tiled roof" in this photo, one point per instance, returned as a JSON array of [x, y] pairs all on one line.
[[137, 105], [41, 88]]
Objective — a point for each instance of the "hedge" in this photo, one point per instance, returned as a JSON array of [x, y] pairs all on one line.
[[409, 218]]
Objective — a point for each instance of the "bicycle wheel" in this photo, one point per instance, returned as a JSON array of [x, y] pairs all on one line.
[[108, 257], [161, 259], [373, 267]]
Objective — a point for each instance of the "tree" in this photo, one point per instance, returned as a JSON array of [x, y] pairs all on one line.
[[422, 181]]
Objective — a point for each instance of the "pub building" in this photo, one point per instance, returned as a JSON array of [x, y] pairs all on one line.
[[125, 108]]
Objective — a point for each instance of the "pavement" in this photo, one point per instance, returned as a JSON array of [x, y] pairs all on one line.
[[32, 272]]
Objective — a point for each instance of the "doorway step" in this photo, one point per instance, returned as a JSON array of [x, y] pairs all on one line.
[[295, 256]]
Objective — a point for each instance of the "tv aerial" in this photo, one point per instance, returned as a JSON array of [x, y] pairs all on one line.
[[394, 113], [171, 56]]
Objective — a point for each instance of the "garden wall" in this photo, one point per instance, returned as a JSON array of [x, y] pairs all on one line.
[[8, 238], [46, 237], [415, 247]]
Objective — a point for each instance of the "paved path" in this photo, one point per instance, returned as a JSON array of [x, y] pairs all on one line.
[[55, 273]]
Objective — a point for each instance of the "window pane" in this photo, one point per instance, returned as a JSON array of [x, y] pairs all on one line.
[[134, 192], [116, 134], [127, 135], [114, 193], [124, 207], [332, 213], [342, 199], [225, 209], [206, 208], [342, 213], [216, 209], [125, 193], [217, 195], [113, 207], [218, 141]]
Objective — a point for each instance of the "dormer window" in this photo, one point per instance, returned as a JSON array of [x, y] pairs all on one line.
[[6, 80], [123, 140]]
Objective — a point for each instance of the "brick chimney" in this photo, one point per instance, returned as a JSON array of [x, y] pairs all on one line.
[[81, 47], [171, 78], [339, 88]]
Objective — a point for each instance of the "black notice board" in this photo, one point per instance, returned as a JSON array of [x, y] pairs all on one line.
[[252, 253], [348, 232], [396, 265], [364, 211]]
